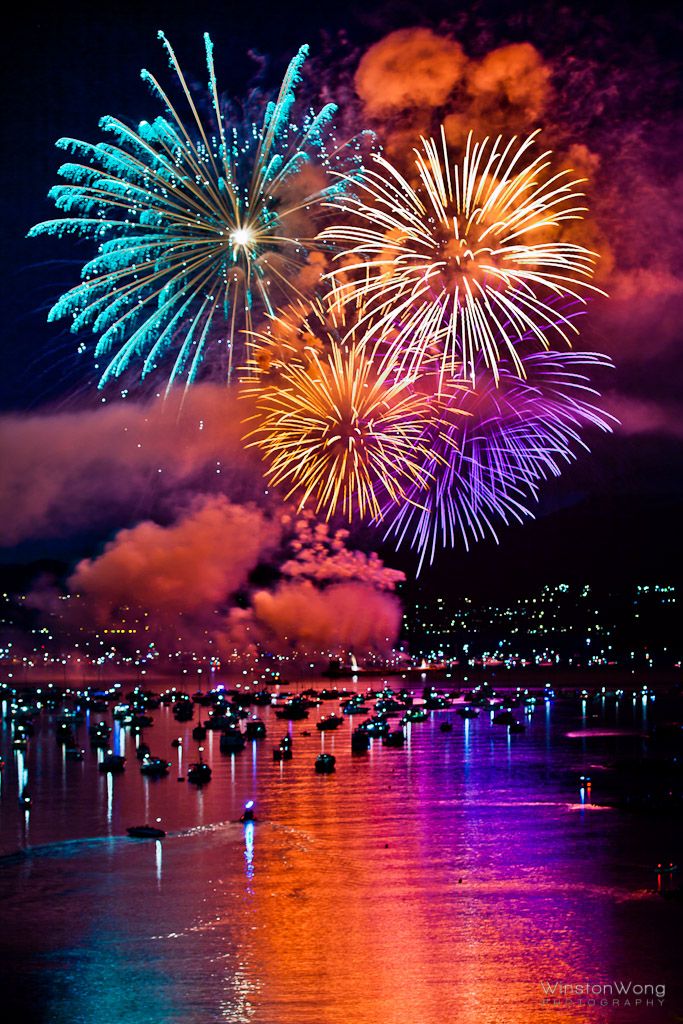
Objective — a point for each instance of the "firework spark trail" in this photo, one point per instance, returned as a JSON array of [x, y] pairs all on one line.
[[196, 222], [485, 468], [336, 431], [469, 260], [421, 389]]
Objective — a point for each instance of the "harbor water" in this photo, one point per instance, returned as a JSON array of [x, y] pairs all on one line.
[[459, 878]]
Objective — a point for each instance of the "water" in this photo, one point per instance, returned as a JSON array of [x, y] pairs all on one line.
[[443, 882]]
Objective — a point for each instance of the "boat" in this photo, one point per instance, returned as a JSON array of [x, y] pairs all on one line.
[[183, 711], [468, 712], [113, 763], [232, 741], [255, 729], [394, 738], [293, 710], [446, 727], [360, 742], [74, 753], [282, 753], [99, 735], [139, 722], [376, 725], [389, 706], [154, 767], [262, 698], [218, 721], [199, 773], [415, 715], [248, 813], [328, 722], [352, 707], [435, 702], [504, 717], [325, 764], [145, 832]]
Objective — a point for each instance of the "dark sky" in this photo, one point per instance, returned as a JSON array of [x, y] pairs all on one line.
[[616, 515]]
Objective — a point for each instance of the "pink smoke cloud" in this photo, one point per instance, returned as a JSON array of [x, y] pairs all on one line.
[[644, 416], [68, 471], [642, 316], [322, 555], [331, 598]]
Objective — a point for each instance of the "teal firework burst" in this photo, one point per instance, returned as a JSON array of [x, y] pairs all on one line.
[[200, 221]]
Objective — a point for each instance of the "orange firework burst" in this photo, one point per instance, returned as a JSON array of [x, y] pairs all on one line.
[[337, 431], [470, 260]]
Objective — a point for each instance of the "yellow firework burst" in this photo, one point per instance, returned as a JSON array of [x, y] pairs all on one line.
[[470, 260], [338, 433]]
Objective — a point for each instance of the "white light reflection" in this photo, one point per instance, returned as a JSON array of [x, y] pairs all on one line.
[[110, 798], [249, 850]]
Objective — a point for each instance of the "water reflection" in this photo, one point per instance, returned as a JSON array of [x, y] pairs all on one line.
[[110, 798], [443, 882], [249, 850], [159, 854]]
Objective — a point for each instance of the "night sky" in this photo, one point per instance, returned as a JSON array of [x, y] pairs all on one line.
[[613, 517]]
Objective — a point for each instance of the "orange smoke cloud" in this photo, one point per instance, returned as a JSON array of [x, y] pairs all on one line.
[[299, 616], [174, 586], [190, 567], [413, 67], [429, 79], [506, 93], [511, 76]]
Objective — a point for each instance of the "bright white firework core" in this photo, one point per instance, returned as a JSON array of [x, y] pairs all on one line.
[[241, 236]]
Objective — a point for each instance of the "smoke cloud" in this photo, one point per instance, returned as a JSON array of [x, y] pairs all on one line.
[[407, 69], [643, 416], [330, 598], [601, 122], [189, 522], [190, 567], [64, 472], [175, 585], [298, 616]]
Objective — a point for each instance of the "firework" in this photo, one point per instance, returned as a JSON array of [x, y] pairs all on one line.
[[468, 261], [336, 431], [486, 468], [198, 221]]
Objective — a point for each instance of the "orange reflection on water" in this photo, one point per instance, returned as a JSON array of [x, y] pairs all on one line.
[[365, 907]]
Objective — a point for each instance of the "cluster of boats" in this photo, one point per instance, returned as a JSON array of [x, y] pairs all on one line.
[[382, 714]]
